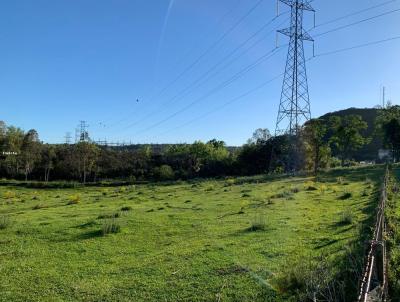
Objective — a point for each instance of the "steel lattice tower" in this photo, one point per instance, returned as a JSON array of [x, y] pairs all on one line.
[[294, 108]]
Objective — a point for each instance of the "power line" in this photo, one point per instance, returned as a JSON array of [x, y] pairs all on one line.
[[216, 89], [230, 30], [245, 42], [206, 76], [357, 22], [204, 54], [225, 104], [271, 80], [220, 21], [353, 14], [357, 46]]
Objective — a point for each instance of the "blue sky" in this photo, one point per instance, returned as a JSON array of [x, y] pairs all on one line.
[[67, 60]]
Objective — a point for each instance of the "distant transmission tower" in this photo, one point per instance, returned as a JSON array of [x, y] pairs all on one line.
[[294, 107], [82, 132], [68, 138]]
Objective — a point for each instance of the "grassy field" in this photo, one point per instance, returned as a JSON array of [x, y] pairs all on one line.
[[225, 240]]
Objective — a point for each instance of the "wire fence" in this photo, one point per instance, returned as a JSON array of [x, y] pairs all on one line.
[[374, 282]]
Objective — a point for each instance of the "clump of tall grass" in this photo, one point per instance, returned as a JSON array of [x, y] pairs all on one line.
[[5, 222], [126, 209], [230, 182], [310, 279], [310, 186], [9, 195], [323, 189], [295, 190], [259, 223], [111, 226], [346, 217], [109, 216], [284, 194], [74, 199], [346, 195], [40, 206]]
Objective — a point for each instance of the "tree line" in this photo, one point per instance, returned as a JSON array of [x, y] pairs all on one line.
[[321, 144]]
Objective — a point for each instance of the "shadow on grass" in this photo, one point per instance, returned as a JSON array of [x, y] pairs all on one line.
[[86, 225], [90, 235]]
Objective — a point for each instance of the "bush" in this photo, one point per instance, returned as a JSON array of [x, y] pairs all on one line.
[[164, 172], [346, 217], [111, 226], [4, 222]]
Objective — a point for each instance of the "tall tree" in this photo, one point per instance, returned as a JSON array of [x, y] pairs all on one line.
[[48, 157], [388, 126], [12, 147], [347, 136], [259, 136], [314, 136], [30, 151], [86, 155]]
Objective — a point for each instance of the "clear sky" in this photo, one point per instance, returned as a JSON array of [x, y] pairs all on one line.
[[151, 71]]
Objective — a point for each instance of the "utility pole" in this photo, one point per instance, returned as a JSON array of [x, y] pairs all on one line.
[[294, 107], [383, 97]]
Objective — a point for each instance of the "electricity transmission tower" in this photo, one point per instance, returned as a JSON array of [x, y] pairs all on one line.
[[82, 132], [68, 138], [294, 107]]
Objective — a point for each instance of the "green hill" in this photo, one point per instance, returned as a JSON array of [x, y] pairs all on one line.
[[369, 115]]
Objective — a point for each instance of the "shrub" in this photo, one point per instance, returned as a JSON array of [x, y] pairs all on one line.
[[346, 217], [164, 172], [74, 199], [111, 226], [4, 222]]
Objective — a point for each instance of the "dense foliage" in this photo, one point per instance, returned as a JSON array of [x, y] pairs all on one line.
[[325, 142]]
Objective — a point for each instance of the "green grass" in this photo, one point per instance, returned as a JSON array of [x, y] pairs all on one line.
[[393, 220], [199, 241]]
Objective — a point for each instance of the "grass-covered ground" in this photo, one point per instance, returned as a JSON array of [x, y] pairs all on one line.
[[225, 240], [393, 220]]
